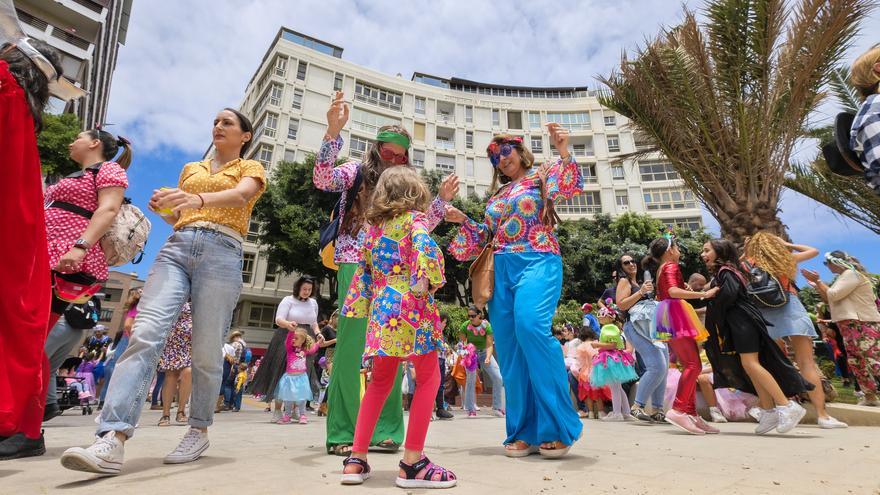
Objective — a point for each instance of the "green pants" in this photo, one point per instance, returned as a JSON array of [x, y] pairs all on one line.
[[343, 392]]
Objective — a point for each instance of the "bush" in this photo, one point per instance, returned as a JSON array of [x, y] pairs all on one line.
[[457, 316]]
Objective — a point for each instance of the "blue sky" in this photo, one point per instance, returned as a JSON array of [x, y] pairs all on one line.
[[177, 70]]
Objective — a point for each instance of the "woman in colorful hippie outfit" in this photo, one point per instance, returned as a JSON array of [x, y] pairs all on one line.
[[356, 181], [527, 285]]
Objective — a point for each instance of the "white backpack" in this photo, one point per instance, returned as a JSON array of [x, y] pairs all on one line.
[[127, 236]]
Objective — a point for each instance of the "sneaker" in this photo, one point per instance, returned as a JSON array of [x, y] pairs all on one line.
[[498, 413], [868, 403], [683, 422], [767, 420], [831, 423], [18, 446], [717, 416], [276, 416], [640, 414], [102, 457], [284, 420], [703, 425], [472, 414], [789, 416], [444, 414], [755, 413], [658, 417], [614, 417], [53, 411], [602, 415], [303, 420], [190, 448]]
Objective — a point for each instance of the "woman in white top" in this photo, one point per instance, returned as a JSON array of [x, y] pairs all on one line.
[[852, 302], [301, 310]]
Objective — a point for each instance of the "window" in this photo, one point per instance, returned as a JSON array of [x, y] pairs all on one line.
[[277, 92], [247, 268], [297, 102], [613, 144], [253, 231], [469, 114], [446, 164], [301, 70], [419, 132], [281, 66], [580, 150], [514, 120], [358, 147], [376, 96], [261, 315], [420, 106], [537, 144], [264, 155], [669, 198], [657, 170], [469, 140], [267, 125], [272, 96], [496, 117], [617, 172], [289, 156], [585, 202], [534, 120], [337, 82], [621, 199], [418, 158], [271, 271], [685, 223], [588, 172], [292, 129], [610, 120], [370, 122], [573, 121], [469, 167], [106, 315], [113, 295], [471, 191]]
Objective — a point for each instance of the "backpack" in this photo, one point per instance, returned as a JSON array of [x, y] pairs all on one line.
[[841, 159], [764, 289], [127, 236], [84, 316], [330, 231]]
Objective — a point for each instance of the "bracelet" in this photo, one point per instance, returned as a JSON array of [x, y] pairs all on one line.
[[202, 200]]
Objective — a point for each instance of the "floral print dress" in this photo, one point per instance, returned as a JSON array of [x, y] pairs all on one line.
[[178, 347], [514, 213], [400, 263]]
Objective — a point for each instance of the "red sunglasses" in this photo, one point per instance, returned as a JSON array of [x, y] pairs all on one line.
[[390, 156]]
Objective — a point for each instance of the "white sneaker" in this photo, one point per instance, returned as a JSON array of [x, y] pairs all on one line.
[[830, 423], [790, 416], [276, 415], [767, 420], [614, 417], [190, 448], [102, 457], [717, 416], [756, 412]]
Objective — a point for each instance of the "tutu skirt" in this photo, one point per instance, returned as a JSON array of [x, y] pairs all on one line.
[[676, 319], [613, 366], [294, 388], [587, 391]]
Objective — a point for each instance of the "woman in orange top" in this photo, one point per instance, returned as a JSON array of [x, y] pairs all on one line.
[[780, 259]]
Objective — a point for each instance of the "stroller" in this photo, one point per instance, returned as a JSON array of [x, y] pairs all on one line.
[[73, 391]]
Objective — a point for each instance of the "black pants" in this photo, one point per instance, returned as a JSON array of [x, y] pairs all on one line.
[[438, 402]]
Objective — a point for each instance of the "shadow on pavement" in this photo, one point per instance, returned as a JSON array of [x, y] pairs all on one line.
[[8, 472], [141, 465]]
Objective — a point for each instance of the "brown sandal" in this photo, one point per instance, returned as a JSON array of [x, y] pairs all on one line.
[[181, 417], [165, 421]]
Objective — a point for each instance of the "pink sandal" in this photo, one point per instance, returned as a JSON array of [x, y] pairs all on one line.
[[432, 475]]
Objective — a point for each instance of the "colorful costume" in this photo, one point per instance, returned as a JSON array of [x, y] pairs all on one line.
[[294, 385], [528, 282], [400, 266], [584, 367], [344, 388], [612, 366]]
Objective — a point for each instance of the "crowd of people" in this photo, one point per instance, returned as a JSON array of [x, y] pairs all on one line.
[[652, 332]]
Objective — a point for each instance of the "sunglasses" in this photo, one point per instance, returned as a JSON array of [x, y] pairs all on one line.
[[473, 316], [628, 262], [390, 156], [497, 150]]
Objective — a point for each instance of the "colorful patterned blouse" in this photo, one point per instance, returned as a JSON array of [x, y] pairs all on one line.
[[327, 177], [400, 263], [520, 206]]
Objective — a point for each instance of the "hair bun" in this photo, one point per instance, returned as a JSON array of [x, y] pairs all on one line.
[[121, 141]]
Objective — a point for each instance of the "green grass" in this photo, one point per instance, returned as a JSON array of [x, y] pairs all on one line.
[[845, 395]]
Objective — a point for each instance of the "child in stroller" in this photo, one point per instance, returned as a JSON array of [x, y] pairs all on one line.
[[73, 390]]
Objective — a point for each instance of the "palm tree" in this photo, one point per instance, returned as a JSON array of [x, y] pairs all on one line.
[[847, 196], [726, 101]]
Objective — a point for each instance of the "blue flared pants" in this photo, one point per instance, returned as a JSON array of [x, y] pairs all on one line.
[[527, 290]]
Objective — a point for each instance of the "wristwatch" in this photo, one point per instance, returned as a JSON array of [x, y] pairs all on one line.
[[82, 244]]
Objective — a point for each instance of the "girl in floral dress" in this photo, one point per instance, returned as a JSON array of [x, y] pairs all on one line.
[[176, 363], [394, 284]]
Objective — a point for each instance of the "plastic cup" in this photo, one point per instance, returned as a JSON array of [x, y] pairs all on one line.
[[165, 212]]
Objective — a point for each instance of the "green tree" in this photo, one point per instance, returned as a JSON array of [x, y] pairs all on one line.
[[58, 132], [726, 99]]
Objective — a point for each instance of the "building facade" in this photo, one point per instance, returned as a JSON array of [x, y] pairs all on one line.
[[452, 122], [116, 290], [87, 33]]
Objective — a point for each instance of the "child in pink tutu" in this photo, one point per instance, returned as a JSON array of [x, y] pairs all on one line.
[[613, 365], [581, 368]]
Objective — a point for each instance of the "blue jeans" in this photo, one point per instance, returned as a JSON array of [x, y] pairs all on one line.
[[470, 385], [527, 289], [156, 398], [656, 359], [236, 399], [227, 390], [194, 264], [110, 366]]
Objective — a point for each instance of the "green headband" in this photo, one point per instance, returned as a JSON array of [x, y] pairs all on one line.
[[394, 138]]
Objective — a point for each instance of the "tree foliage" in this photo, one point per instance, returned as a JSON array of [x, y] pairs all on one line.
[[726, 100], [58, 132]]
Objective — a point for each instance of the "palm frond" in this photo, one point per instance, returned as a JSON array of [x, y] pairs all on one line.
[[848, 197]]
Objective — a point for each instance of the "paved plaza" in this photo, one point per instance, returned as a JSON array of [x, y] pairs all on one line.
[[248, 455]]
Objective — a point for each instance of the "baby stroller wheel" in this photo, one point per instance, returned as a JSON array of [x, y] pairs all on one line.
[[84, 410]]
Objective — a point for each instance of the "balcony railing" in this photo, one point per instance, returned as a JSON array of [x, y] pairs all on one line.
[[31, 20], [445, 118], [93, 6], [70, 38], [445, 144], [377, 102], [365, 127]]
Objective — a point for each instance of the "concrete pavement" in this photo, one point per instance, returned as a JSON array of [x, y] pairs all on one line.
[[248, 455]]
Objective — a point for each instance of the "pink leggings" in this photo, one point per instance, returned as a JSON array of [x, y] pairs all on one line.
[[384, 372], [688, 356]]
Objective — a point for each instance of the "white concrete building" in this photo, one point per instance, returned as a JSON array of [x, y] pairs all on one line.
[[87, 33], [452, 122]]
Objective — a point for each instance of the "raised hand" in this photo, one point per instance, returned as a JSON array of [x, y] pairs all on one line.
[[449, 188], [559, 138], [337, 115], [454, 215]]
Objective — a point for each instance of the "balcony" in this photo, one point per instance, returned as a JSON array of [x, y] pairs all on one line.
[[445, 144], [70, 38], [445, 118], [32, 21], [364, 127]]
